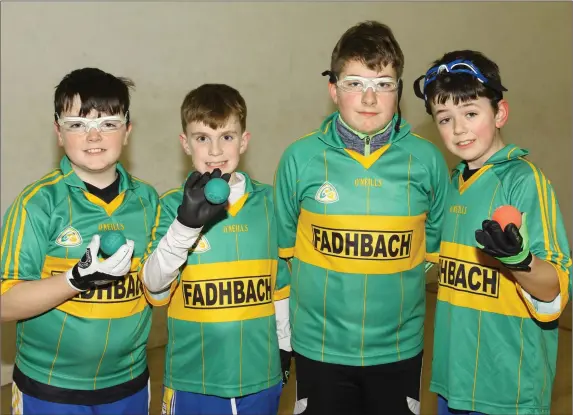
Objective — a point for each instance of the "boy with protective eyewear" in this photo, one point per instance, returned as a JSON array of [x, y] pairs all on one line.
[[502, 287], [83, 322], [359, 207]]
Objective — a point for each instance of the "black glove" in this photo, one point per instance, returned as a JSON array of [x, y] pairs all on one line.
[[195, 210], [89, 272], [285, 365], [510, 246]]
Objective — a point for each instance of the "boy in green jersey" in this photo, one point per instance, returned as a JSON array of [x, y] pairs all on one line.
[[501, 291], [217, 267], [360, 203], [83, 323]]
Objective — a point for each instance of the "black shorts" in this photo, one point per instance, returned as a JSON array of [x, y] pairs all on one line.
[[326, 388]]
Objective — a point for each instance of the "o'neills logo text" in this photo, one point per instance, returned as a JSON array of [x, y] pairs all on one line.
[[228, 293], [469, 277], [355, 244]]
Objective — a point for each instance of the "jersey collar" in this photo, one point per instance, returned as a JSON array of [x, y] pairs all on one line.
[[72, 179], [327, 132], [508, 153]]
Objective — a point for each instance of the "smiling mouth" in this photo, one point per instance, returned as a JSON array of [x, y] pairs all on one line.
[[465, 143], [215, 164], [95, 150]]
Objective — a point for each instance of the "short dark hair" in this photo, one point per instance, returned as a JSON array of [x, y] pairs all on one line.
[[371, 43], [213, 105], [462, 87], [97, 90]]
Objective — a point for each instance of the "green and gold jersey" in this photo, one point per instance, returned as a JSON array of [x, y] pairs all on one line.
[[96, 339], [494, 352], [221, 318], [359, 229]]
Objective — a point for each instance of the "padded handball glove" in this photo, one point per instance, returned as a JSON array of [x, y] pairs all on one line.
[[90, 272], [285, 365], [195, 210], [510, 246]]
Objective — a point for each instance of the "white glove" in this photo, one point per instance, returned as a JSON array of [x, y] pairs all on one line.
[[89, 272]]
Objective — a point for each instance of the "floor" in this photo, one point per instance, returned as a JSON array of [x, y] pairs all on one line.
[[562, 395]]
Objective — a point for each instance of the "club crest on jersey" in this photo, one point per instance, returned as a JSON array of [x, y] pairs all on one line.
[[202, 245], [326, 193], [69, 238]]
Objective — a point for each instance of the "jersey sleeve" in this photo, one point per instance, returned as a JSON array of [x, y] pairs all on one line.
[[534, 195], [440, 183], [165, 214], [287, 206], [281, 268], [24, 242], [282, 287]]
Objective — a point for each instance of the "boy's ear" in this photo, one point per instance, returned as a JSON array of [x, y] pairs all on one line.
[[59, 134], [332, 92], [244, 142], [127, 133], [185, 143], [502, 113]]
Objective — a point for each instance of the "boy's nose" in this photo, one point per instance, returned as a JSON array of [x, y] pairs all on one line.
[[369, 97], [93, 134], [215, 149], [459, 128]]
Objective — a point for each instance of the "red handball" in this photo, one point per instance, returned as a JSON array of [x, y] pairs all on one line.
[[504, 215]]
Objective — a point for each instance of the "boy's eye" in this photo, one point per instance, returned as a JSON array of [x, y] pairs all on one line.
[[471, 114], [228, 137], [201, 138], [443, 121], [385, 85]]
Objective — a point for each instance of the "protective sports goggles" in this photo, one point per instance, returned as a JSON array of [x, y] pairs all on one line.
[[457, 66], [81, 125], [359, 84]]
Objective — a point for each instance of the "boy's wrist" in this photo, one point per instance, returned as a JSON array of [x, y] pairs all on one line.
[[181, 230]]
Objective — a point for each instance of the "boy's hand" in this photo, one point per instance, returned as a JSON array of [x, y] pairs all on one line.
[[195, 211], [89, 272], [510, 246], [285, 365]]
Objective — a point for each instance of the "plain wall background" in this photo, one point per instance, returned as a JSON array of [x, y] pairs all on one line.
[[273, 53]]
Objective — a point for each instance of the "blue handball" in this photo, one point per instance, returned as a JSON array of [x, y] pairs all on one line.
[[217, 191]]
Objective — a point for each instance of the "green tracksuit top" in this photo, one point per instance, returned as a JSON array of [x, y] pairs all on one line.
[[222, 337], [359, 229], [494, 351], [96, 339]]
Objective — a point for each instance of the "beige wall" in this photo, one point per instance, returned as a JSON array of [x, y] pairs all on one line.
[[274, 54]]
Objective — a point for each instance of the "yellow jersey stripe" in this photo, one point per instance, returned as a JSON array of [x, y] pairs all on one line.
[[103, 353], [57, 348], [23, 220], [541, 207], [551, 237], [169, 192]]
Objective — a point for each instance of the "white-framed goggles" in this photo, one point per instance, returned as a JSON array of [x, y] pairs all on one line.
[[81, 125], [359, 84]]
